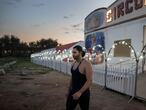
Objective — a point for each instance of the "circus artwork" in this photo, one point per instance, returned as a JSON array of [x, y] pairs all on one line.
[[94, 44], [94, 20]]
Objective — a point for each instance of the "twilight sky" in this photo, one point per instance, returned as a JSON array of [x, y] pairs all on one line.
[[31, 20]]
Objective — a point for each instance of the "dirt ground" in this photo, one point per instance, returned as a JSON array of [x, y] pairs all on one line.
[[46, 91]]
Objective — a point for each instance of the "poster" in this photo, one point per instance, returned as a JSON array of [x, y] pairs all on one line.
[[95, 20], [95, 45]]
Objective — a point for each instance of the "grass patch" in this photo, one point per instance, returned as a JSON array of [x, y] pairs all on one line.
[[26, 63], [5, 60]]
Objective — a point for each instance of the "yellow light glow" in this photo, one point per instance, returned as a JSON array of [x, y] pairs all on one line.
[[109, 17]]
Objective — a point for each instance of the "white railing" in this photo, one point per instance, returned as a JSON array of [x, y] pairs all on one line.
[[119, 78]]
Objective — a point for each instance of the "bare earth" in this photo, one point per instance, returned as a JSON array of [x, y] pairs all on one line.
[[47, 92]]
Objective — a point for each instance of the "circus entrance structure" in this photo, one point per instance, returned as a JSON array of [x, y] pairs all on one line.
[[123, 24]]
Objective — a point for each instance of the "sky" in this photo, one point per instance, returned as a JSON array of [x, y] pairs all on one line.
[[32, 20]]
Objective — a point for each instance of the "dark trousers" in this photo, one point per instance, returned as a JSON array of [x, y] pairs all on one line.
[[83, 101]]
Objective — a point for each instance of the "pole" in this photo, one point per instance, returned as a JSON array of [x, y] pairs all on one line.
[[105, 76]]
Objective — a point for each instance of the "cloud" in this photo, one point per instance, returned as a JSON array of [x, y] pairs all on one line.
[[17, 1], [8, 3], [66, 32], [77, 25], [66, 28], [38, 5], [36, 25], [12, 2], [79, 29], [68, 17], [74, 28]]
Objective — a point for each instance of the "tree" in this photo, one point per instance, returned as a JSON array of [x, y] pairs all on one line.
[[11, 45], [5, 45], [15, 42]]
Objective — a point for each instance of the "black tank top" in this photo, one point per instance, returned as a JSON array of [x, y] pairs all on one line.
[[78, 79]]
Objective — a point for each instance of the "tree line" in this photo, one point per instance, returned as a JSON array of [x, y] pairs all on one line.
[[10, 45]]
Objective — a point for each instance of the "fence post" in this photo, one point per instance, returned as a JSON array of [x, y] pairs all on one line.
[[105, 75]]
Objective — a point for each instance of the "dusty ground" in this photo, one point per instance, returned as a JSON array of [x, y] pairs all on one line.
[[37, 88], [47, 92]]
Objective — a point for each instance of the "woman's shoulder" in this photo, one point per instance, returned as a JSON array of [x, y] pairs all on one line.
[[85, 61]]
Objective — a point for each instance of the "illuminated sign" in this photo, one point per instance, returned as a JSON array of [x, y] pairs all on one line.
[[124, 8], [109, 16]]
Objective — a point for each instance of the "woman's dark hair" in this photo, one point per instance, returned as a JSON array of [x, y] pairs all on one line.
[[80, 49]]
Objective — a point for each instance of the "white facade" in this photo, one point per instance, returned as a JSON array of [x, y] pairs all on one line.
[[127, 26]]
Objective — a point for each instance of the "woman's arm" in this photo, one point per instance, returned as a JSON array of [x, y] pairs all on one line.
[[89, 73]]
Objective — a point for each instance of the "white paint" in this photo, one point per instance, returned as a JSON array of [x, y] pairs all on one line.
[[131, 30]]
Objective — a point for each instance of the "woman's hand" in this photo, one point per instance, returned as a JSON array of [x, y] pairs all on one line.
[[77, 95]]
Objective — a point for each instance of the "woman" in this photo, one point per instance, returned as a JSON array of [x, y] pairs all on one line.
[[81, 80]]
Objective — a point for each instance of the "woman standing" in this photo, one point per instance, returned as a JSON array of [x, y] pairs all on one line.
[[81, 80]]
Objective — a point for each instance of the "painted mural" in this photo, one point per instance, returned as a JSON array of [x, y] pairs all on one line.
[[95, 45], [95, 42]]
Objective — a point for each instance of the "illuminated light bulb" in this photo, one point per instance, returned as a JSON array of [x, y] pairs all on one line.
[[121, 59], [99, 45], [108, 59], [84, 48], [141, 57], [109, 17], [113, 46], [90, 58], [132, 51], [70, 51], [93, 48], [123, 42], [103, 52], [120, 42]]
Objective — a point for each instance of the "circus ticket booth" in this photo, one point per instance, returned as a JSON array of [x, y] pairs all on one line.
[[122, 21]]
